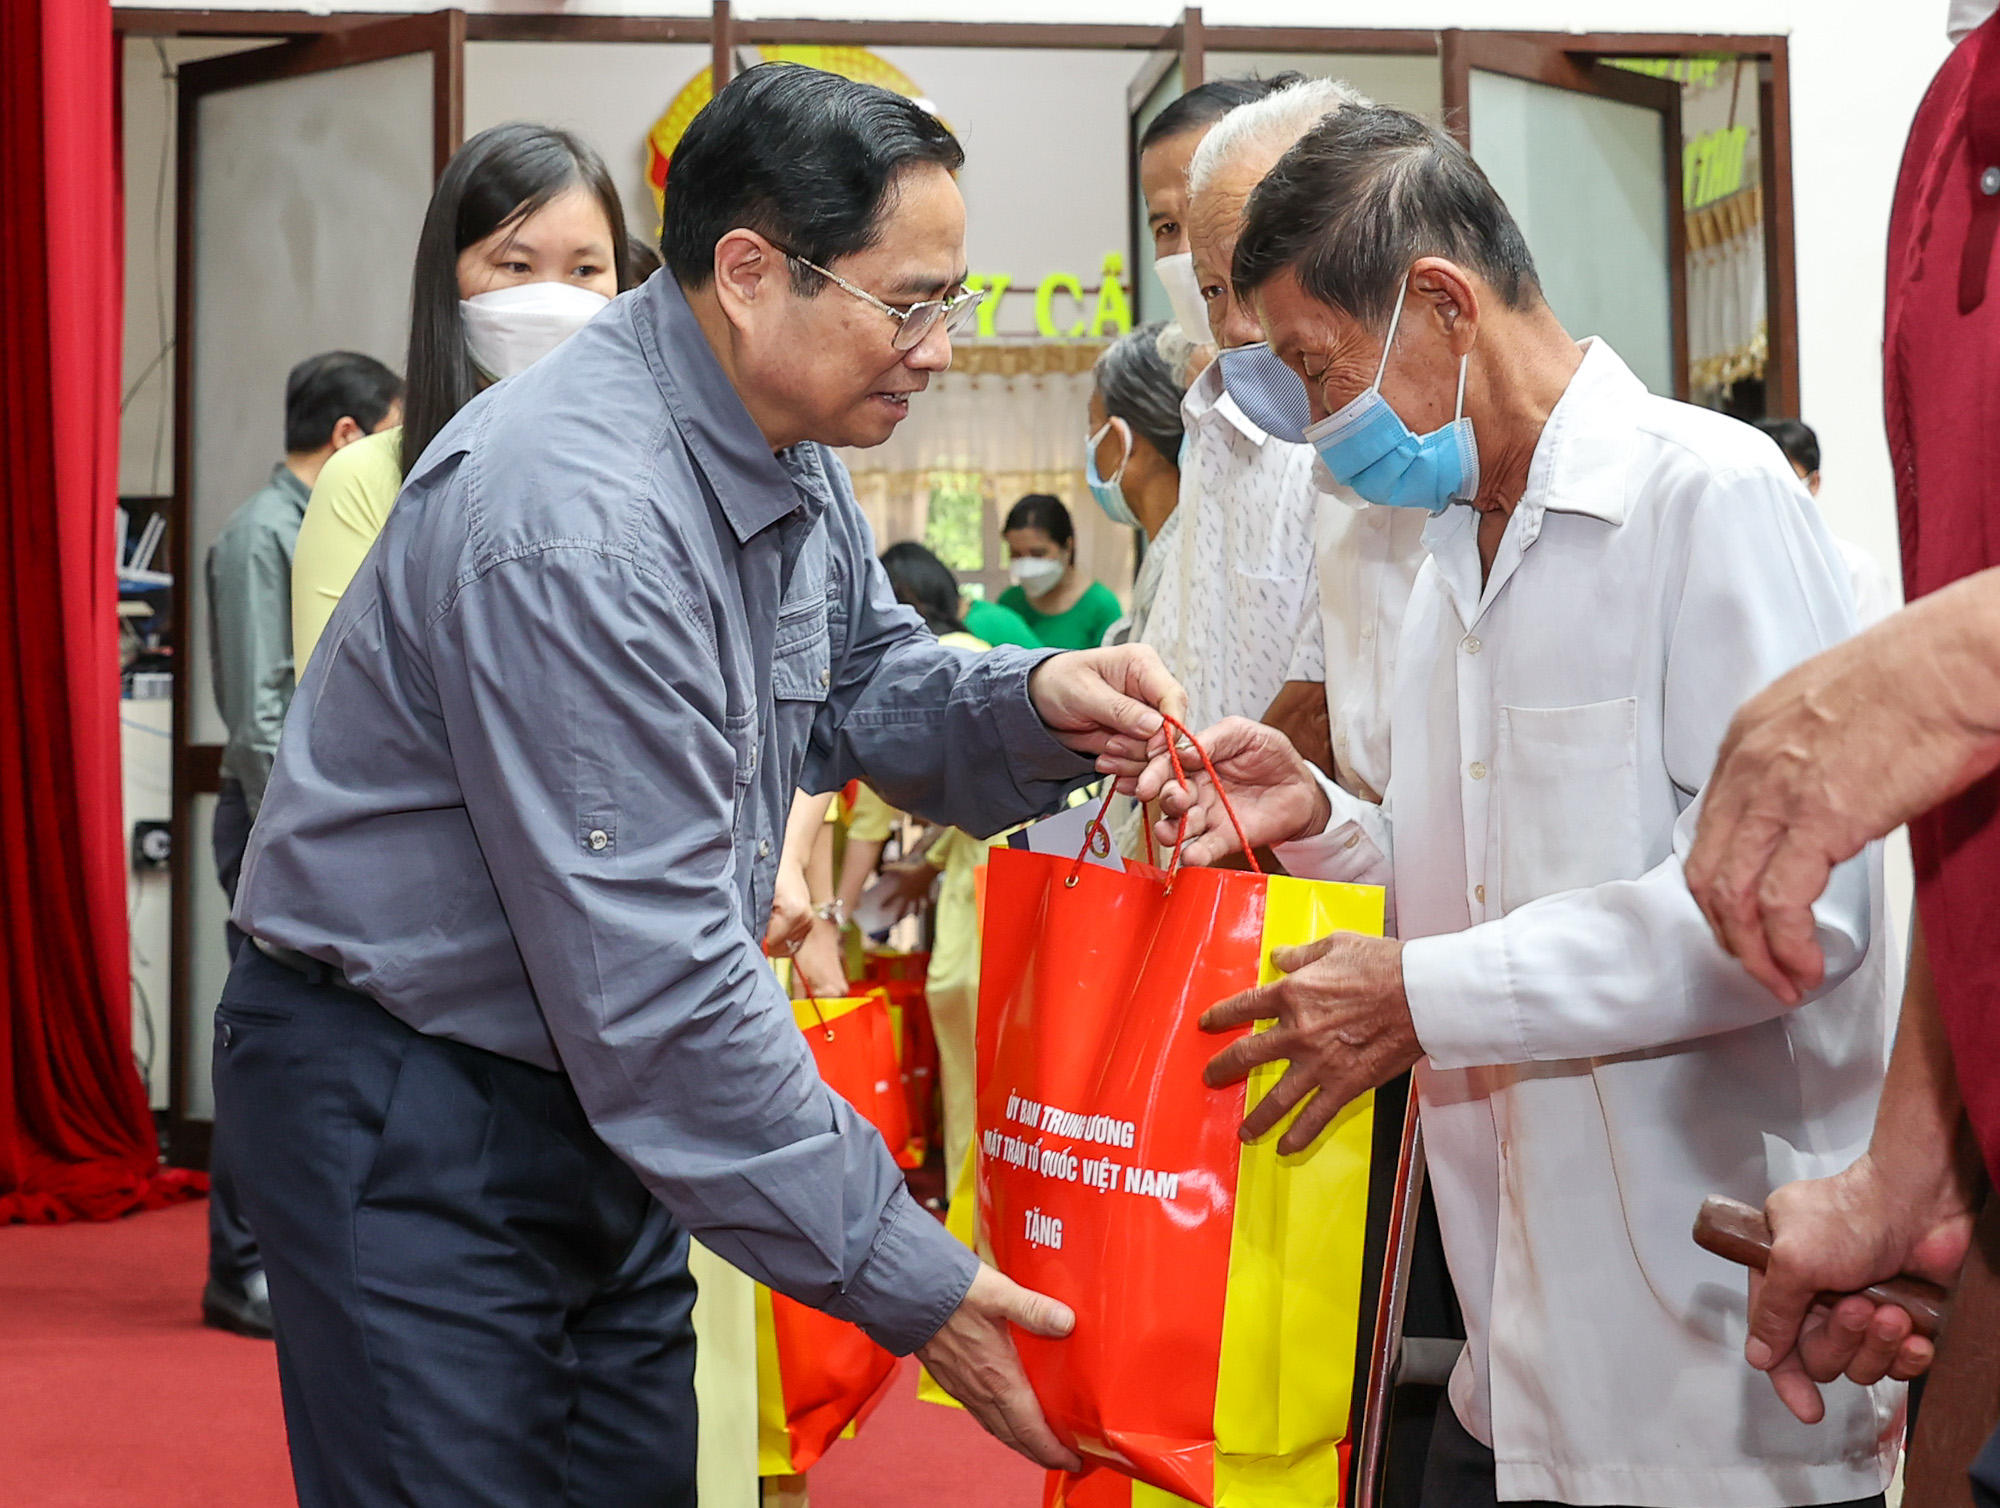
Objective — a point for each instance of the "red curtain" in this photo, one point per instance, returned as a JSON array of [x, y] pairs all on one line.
[[76, 1137]]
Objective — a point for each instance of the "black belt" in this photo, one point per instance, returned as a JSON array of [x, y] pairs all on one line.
[[314, 970]]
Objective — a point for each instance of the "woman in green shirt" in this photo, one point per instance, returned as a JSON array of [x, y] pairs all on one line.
[[1063, 608]]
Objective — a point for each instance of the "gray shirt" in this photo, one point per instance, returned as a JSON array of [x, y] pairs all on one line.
[[250, 626], [534, 784]]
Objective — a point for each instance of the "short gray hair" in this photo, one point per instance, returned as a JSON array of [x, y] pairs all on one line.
[[1138, 386], [1272, 123], [1360, 198]]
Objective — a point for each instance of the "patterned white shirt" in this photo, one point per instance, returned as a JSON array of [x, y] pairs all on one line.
[[1235, 613]]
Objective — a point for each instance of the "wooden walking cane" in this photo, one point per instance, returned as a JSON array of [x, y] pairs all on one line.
[[1961, 1399]]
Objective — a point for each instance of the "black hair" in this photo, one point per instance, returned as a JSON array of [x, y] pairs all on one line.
[[642, 260], [806, 159], [1138, 386], [1040, 510], [922, 581], [1361, 197], [322, 390], [1205, 104], [1796, 439], [496, 180]]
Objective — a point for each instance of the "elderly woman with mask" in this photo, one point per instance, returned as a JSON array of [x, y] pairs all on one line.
[[1610, 575], [1131, 458]]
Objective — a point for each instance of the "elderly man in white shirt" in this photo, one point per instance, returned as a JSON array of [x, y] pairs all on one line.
[[1365, 557], [1235, 613], [1590, 1063]]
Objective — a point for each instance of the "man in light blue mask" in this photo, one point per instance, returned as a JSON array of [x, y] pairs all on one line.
[[1589, 1063]]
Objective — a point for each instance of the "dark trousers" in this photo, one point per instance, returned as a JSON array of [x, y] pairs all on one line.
[[475, 1301], [1459, 1473], [232, 1250]]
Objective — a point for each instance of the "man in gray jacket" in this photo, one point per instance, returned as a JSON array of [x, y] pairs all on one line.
[[507, 1035]]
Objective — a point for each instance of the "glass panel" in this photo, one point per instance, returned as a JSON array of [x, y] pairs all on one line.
[[1583, 177], [310, 194], [1410, 83]]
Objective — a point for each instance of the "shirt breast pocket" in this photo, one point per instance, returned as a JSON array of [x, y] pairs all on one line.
[[1567, 787], [802, 654]]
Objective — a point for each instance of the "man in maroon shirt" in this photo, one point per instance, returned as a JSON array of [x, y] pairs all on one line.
[[1900, 724]]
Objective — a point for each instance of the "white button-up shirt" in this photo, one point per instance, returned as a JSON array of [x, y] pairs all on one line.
[[1235, 612], [1596, 1065], [1367, 558]]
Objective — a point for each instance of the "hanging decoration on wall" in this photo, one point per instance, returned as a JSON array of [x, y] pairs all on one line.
[[856, 63]]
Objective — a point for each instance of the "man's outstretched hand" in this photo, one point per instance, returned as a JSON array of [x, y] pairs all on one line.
[[973, 1358], [1108, 702]]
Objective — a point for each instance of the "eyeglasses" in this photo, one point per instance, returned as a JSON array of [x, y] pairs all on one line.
[[917, 320]]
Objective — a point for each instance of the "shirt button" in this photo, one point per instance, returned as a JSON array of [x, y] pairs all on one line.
[[826, 676], [1476, 770], [764, 849], [1479, 894], [1989, 182], [1470, 643], [1340, 739], [1367, 630], [1352, 839], [753, 759], [599, 839]]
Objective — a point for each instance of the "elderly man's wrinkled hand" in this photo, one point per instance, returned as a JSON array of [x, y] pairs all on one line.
[[1342, 1027], [1842, 750], [1270, 788], [1838, 1235]]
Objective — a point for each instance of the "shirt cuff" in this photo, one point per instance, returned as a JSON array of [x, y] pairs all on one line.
[[1346, 850], [1034, 752], [1460, 990], [914, 1278]]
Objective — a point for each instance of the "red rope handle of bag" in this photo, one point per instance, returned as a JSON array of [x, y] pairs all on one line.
[[1096, 826]]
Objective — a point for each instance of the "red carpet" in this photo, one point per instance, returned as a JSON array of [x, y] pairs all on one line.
[[113, 1394]]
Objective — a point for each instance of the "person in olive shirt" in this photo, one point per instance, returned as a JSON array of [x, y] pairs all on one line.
[[331, 400], [1061, 606]]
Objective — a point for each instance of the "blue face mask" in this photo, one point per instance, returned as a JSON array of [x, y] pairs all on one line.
[[1267, 391], [1367, 446], [1110, 496]]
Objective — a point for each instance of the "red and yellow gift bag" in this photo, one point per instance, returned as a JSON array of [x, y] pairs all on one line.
[[819, 1377], [1216, 1284]]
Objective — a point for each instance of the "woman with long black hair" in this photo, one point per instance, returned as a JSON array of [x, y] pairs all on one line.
[[523, 243]]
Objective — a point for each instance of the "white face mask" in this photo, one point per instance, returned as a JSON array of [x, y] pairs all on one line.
[[1966, 17], [1176, 275], [510, 329], [1034, 575]]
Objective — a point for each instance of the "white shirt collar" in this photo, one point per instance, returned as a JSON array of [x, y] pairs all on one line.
[[1580, 460]]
